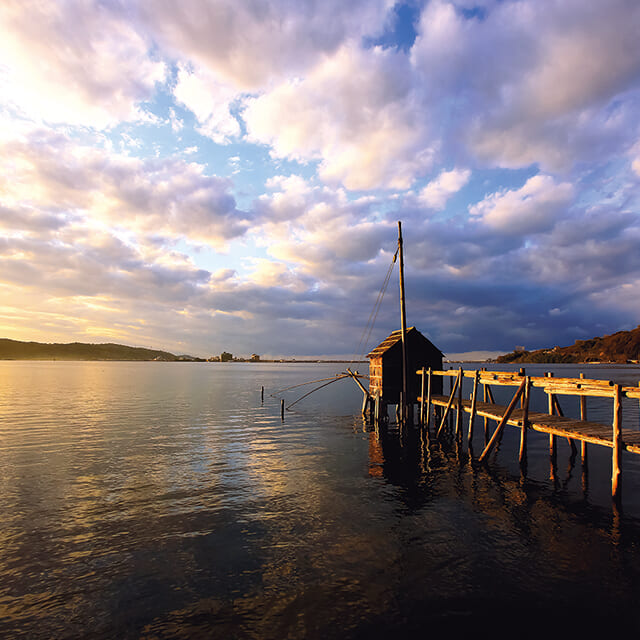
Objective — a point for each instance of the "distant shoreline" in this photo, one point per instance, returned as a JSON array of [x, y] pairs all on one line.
[[177, 359]]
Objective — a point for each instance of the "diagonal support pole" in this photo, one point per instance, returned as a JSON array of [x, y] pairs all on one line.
[[503, 421], [449, 403]]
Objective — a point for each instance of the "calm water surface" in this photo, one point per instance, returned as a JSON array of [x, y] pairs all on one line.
[[162, 500]]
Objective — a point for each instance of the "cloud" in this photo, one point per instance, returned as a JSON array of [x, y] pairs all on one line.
[[438, 191], [354, 112], [533, 82], [248, 44], [148, 196], [533, 208], [210, 102], [74, 62]]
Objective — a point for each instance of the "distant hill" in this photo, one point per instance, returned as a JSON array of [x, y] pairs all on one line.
[[16, 350], [620, 347]]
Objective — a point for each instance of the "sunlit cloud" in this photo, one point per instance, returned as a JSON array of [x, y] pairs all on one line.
[[438, 191], [209, 175], [74, 62], [535, 207]]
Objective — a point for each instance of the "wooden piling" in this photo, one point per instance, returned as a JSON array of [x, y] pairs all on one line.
[[552, 423], [485, 388], [552, 437], [422, 390], [429, 392], [583, 416], [282, 408], [616, 459], [262, 395], [525, 423], [474, 404], [454, 387], [459, 411], [503, 421]]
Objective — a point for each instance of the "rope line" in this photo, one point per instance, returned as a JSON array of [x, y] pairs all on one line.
[[366, 334], [275, 393], [316, 389]]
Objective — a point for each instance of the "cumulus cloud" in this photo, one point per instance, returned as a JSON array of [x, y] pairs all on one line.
[[356, 113], [534, 82], [533, 208], [248, 44], [210, 101], [105, 234], [438, 191], [148, 196], [74, 62]]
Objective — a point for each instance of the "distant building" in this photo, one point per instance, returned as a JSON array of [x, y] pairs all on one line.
[[255, 357], [519, 349], [225, 356]]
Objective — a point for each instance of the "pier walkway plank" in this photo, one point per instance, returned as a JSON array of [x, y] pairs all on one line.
[[591, 432]]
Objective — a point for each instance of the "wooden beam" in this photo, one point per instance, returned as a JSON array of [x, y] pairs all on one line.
[[560, 412], [474, 402], [583, 417], [449, 403], [525, 423], [422, 390], [459, 411], [552, 437], [429, 396], [617, 443], [503, 421]]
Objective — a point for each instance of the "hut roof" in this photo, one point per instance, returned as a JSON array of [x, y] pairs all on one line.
[[394, 338]]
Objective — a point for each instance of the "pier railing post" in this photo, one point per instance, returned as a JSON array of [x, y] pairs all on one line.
[[429, 388], [474, 402], [616, 461], [503, 420], [459, 411], [583, 417], [552, 437], [422, 390], [525, 422], [454, 387]]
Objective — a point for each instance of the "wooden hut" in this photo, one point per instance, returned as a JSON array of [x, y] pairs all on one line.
[[385, 366]]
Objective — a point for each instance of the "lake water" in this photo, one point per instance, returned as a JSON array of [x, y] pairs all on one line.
[[165, 500]]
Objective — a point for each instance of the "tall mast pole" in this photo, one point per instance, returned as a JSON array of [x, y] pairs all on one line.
[[403, 320]]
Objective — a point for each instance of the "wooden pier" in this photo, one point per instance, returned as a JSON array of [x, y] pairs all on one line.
[[517, 413]]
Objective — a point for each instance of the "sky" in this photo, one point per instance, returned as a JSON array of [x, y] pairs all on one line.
[[227, 175]]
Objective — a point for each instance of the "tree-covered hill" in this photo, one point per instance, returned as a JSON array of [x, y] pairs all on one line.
[[623, 346], [16, 350]]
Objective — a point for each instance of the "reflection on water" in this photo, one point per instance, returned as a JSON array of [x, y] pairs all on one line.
[[164, 500]]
